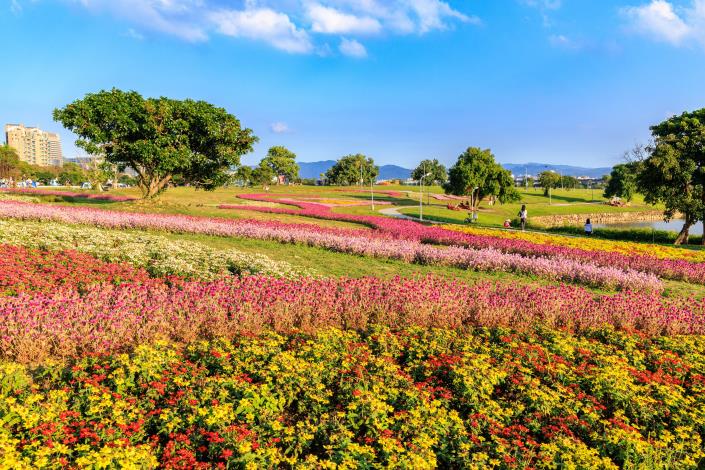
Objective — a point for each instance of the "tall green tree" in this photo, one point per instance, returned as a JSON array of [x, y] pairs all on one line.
[[282, 162], [673, 173], [353, 169], [622, 181], [438, 173], [72, 174], [549, 180], [244, 175], [160, 138], [9, 162], [262, 175], [477, 168]]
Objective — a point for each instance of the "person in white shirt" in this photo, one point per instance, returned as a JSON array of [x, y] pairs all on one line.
[[588, 227], [523, 214]]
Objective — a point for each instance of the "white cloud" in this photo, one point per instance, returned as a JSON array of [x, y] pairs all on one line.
[[293, 26], [279, 127], [543, 4], [173, 17], [660, 21], [15, 7], [131, 33], [331, 21], [403, 16], [263, 24], [352, 48]]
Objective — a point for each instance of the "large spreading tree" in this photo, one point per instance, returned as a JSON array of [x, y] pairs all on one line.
[[160, 138], [436, 171], [673, 173], [477, 168], [353, 169], [282, 162]]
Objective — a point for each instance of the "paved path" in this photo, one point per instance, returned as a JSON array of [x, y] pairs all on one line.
[[394, 212]]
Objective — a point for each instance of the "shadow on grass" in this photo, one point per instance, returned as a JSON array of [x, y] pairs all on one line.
[[395, 200]]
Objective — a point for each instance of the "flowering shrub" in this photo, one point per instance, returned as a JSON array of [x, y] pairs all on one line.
[[416, 398], [594, 244], [24, 270], [158, 255], [78, 316], [49, 192], [346, 241], [678, 269]]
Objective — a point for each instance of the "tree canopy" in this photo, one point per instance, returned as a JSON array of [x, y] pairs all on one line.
[[549, 180], [673, 173], [622, 181], [9, 162], [438, 172], [282, 162], [160, 138], [477, 168], [353, 169]]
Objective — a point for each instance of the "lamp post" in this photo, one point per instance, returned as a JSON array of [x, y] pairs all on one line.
[[372, 193], [421, 195]]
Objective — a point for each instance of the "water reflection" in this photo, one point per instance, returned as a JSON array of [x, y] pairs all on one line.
[[674, 225]]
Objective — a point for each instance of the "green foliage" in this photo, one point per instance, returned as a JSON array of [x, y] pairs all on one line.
[[622, 181], [72, 174], [674, 172], [353, 169], [9, 162], [549, 180], [282, 162], [477, 168], [244, 175], [569, 182], [160, 138], [262, 175], [438, 172]]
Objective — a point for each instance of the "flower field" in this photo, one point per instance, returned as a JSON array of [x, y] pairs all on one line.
[[595, 244], [71, 194], [679, 268], [414, 398], [123, 348], [347, 241], [158, 255]]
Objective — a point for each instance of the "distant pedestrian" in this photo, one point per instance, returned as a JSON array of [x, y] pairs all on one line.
[[507, 223], [588, 227], [523, 214]]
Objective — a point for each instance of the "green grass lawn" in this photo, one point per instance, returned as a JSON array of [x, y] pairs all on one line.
[[562, 202]]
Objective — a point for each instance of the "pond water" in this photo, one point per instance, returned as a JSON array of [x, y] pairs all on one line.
[[674, 225]]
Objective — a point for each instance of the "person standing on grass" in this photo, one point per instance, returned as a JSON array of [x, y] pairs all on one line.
[[523, 214], [588, 227]]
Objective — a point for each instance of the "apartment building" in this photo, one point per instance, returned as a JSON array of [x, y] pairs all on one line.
[[34, 146]]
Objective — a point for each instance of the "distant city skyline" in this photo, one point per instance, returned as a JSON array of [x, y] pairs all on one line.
[[549, 81]]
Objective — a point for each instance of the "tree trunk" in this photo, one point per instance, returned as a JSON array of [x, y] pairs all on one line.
[[682, 238]]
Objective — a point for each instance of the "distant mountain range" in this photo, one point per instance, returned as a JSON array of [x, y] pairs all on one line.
[[394, 172], [534, 169], [386, 172]]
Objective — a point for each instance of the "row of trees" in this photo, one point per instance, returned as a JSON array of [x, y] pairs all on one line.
[[11, 168]]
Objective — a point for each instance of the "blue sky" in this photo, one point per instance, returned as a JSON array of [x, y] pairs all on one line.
[[555, 81]]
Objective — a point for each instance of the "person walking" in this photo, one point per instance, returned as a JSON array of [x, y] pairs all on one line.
[[588, 227], [523, 214]]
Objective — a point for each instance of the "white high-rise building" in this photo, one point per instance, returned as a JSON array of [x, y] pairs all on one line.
[[34, 146]]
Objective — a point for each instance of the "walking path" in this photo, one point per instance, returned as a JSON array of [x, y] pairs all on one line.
[[394, 212]]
